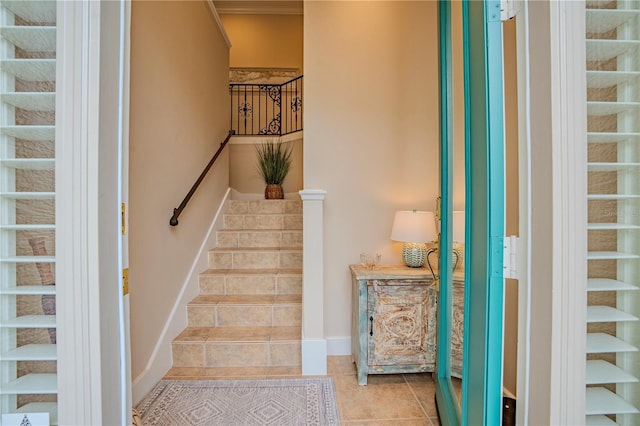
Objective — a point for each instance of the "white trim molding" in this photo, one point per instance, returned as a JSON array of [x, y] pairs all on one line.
[[214, 12], [249, 7], [77, 213], [569, 204], [313, 283]]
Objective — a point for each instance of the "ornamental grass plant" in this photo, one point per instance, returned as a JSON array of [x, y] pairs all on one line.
[[274, 160]]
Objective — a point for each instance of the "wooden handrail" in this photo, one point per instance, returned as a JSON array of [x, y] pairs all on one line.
[[176, 212]]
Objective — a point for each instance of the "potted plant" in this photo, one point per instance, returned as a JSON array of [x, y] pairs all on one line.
[[274, 162]]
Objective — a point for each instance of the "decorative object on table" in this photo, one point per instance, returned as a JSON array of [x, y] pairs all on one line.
[[369, 261], [457, 243], [274, 162], [414, 228]]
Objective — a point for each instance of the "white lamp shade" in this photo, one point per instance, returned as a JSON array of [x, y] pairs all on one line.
[[414, 227]]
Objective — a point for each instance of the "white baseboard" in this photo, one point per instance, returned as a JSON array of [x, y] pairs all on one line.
[[314, 357], [161, 359]]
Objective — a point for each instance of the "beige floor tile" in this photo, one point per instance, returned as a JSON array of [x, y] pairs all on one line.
[[340, 365], [386, 397], [391, 422], [424, 389]]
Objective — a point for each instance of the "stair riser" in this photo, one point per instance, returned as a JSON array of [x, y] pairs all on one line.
[[270, 222], [250, 284], [244, 315], [220, 259], [233, 239], [264, 207], [245, 354]]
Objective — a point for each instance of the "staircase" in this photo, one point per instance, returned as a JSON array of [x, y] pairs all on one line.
[[248, 312]]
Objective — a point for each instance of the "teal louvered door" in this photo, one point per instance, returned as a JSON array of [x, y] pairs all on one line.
[[613, 108], [28, 380]]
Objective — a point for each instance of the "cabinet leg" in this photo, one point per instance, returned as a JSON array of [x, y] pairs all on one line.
[[362, 378]]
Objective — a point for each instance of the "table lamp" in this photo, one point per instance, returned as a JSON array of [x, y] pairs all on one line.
[[415, 229]]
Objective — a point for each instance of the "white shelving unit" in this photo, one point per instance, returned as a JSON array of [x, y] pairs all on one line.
[[613, 108], [28, 350]]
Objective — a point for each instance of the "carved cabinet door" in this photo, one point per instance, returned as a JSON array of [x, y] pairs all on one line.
[[402, 329]]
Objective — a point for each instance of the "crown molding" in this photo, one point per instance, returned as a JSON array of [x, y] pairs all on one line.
[[259, 7], [214, 12]]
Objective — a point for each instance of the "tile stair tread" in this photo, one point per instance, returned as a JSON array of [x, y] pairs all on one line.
[[233, 299], [238, 334], [260, 230], [255, 249], [209, 373], [252, 272]]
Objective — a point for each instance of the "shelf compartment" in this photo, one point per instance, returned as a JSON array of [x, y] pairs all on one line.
[[29, 163], [613, 137], [31, 384], [612, 197], [605, 20], [31, 101], [608, 284], [613, 167], [29, 195], [598, 343], [33, 11], [29, 290], [31, 38], [611, 226], [611, 108], [30, 69], [603, 401], [28, 259], [603, 50], [601, 372], [599, 421], [30, 133], [28, 227], [30, 321], [608, 314], [611, 255], [604, 79], [33, 352]]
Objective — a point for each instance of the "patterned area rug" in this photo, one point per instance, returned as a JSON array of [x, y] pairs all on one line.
[[241, 402]]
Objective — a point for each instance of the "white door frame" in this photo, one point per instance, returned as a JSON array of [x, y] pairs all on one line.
[[553, 213], [89, 295]]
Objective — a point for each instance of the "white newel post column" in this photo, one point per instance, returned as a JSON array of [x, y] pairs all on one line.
[[314, 345]]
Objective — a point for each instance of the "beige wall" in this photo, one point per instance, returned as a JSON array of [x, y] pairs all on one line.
[[179, 116], [371, 129], [264, 41], [243, 169]]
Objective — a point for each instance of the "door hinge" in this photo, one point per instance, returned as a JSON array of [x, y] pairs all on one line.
[[510, 257], [125, 281], [508, 10], [123, 213]]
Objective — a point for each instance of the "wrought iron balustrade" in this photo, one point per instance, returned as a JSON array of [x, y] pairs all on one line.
[[266, 109]]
